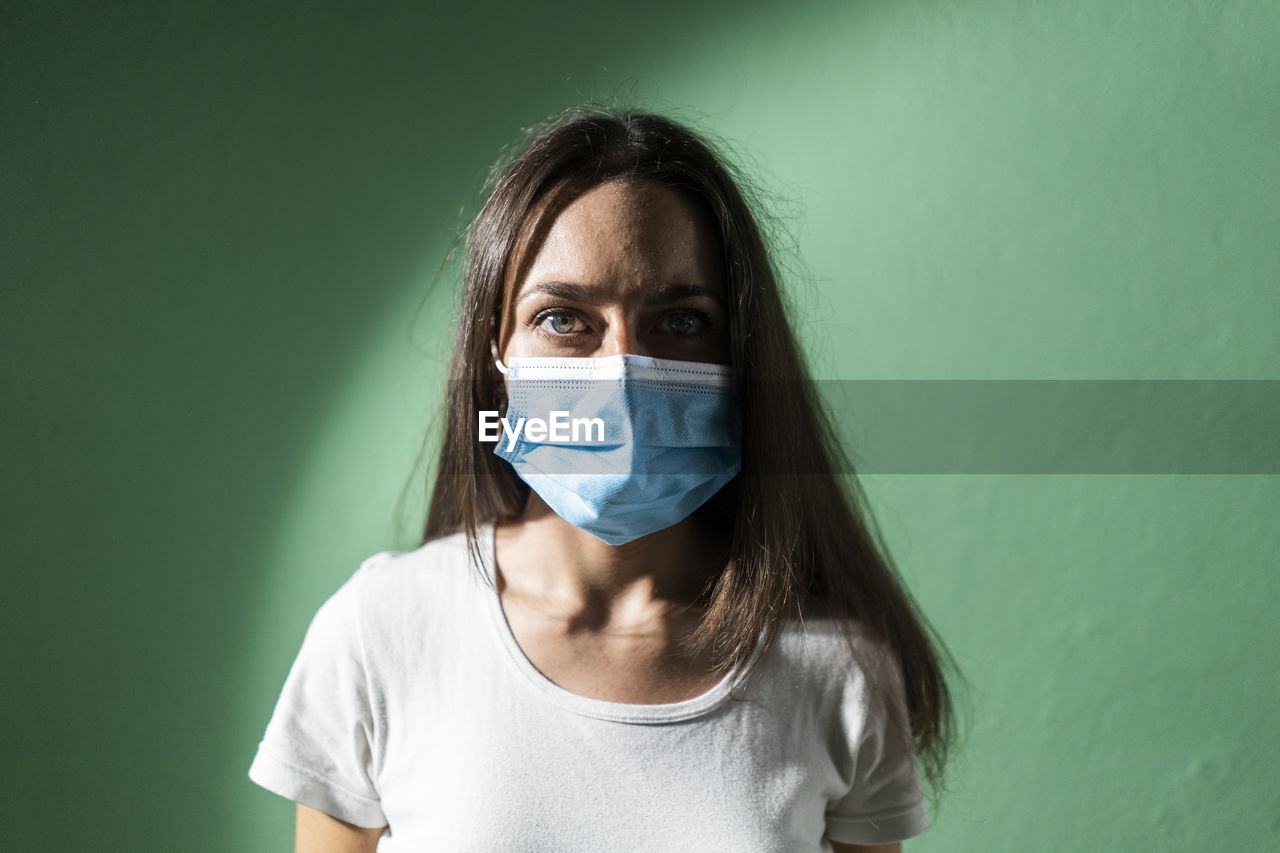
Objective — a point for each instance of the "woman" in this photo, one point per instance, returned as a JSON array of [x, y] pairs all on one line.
[[649, 613]]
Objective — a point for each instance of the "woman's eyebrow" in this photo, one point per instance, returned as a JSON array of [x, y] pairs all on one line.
[[562, 290], [676, 292], [593, 295]]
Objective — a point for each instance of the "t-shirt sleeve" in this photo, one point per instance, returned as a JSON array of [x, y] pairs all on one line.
[[321, 745], [885, 802]]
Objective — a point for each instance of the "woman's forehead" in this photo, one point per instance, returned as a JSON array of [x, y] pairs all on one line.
[[627, 237]]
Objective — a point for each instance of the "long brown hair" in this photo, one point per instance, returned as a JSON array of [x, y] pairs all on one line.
[[797, 527]]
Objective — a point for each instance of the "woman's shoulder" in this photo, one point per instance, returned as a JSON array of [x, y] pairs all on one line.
[[846, 671], [427, 597], [813, 622], [435, 558], [830, 648], [433, 577]]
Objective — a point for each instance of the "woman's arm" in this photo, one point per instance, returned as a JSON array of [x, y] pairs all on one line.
[[318, 832], [895, 847]]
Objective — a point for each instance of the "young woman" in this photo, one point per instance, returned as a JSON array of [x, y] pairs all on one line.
[[650, 612]]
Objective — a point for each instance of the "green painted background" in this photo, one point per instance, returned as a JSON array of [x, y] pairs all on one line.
[[219, 226]]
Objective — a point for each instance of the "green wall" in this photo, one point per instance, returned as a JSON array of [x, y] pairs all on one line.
[[220, 225]]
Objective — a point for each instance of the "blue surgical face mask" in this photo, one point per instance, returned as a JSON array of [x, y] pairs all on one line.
[[629, 446]]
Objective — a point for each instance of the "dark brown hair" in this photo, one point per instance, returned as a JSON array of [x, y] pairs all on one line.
[[797, 527]]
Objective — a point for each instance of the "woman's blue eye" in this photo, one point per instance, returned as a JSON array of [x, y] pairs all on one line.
[[561, 324]]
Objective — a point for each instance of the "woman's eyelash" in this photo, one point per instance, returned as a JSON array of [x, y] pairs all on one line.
[[538, 320], [547, 313]]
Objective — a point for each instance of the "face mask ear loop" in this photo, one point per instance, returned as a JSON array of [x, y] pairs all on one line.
[[497, 362]]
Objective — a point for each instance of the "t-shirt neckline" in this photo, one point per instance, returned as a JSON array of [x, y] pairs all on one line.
[[602, 709]]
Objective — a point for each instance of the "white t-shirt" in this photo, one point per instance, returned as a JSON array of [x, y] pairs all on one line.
[[411, 705]]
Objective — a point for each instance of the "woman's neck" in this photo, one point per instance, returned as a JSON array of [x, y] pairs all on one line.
[[583, 580]]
